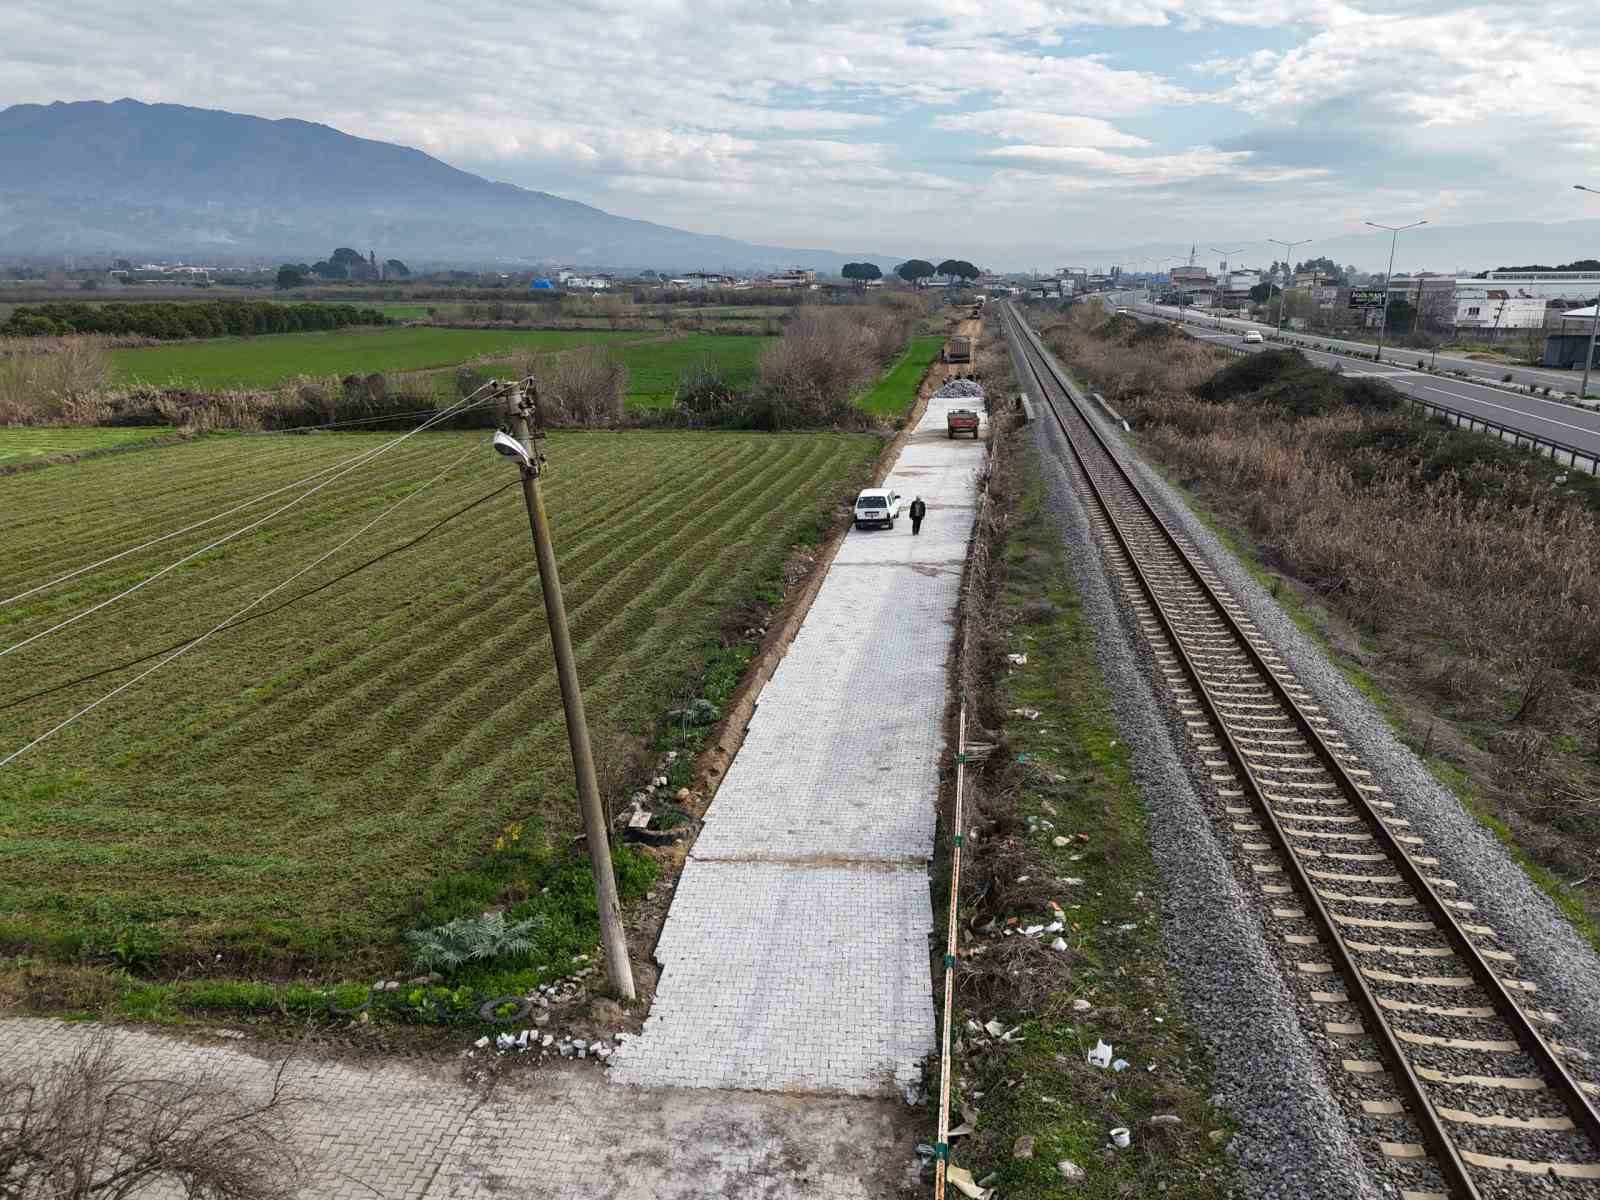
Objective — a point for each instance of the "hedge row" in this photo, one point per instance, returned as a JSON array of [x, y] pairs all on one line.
[[199, 319]]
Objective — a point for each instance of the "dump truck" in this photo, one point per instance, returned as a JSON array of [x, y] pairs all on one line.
[[958, 350], [962, 420]]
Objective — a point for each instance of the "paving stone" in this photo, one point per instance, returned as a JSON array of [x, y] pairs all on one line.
[[795, 954]]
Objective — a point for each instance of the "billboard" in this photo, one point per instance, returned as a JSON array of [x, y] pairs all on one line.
[[1366, 297]]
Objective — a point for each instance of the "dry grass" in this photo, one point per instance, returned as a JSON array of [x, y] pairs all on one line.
[[52, 381], [1461, 564]]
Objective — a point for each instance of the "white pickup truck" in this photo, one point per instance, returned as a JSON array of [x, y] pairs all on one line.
[[878, 506]]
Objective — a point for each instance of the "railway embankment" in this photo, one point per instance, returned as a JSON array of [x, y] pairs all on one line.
[[1313, 803], [1442, 571]]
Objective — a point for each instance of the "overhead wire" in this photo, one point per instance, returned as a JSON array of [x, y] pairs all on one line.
[[244, 504], [235, 617], [354, 464], [267, 612]]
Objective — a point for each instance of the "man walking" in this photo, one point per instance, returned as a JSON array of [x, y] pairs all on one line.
[[918, 511]]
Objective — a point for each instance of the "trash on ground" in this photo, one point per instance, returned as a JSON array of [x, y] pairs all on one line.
[[1121, 1137], [1121, 1064], [1058, 840], [1071, 1171], [1166, 1119], [1017, 660], [1022, 1147], [1058, 945], [1031, 714], [962, 1130], [961, 1179], [1081, 1006], [994, 1027], [1100, 1056]]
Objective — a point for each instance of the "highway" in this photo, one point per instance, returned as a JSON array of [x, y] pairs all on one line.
[[1548, 419], [1566, 381]]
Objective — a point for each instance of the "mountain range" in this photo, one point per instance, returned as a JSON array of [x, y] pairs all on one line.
[[165, 180]]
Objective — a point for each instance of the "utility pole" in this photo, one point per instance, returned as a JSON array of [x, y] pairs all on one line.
[[618, 969], [1394, 236], [1594, 326]]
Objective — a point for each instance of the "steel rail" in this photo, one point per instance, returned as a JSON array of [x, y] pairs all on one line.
[[1532, 1041]]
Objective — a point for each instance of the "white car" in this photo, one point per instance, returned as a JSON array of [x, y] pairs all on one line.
[[1252, 336], [878, 506]]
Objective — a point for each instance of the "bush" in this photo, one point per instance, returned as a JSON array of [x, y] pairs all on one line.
[[471, 940], [704, 388]]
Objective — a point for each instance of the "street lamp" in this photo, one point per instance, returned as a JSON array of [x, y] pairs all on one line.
[[1224, 267], [530, 464], [1283, 292], [1594, 325], [1394, 236]]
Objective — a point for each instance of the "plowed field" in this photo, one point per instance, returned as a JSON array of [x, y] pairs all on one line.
[[293, 785]]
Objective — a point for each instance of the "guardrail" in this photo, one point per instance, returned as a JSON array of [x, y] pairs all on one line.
[[1576, 459]]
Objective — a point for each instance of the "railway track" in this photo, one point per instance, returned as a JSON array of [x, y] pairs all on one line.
[[1435, 1044]]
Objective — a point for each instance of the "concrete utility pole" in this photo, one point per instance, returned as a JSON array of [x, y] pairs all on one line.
[[1394, 236], [1594, 326], [618, 969], [1288, 267]]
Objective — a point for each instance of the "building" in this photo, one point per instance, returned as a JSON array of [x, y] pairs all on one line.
[[1199, 289], [585, 283], [1570, 343], [795, 277], [700, 281], [1520, 299]]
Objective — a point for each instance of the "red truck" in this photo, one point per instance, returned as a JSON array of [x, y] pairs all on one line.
[[962, 420]]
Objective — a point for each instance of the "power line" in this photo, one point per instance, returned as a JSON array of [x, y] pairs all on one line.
[[360, 460], [215, 629], [87, 567], [267, 612]]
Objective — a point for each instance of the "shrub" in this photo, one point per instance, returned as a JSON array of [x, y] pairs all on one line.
[[471, 939]]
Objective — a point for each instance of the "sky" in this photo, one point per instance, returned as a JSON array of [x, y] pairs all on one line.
[[1003, 131]]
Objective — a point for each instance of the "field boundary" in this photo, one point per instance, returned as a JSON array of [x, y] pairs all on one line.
[[68, 457]]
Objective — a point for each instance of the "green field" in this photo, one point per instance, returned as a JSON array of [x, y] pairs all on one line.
[[654, 368], [265, 361], [896, 391], [657, 363], [287, 793], [20, 443]]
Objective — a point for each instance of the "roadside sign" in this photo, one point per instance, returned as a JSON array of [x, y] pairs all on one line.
[[1366, 298]]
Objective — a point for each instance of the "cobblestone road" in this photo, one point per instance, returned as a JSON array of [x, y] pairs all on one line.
[[417, 1131], [795, 956]]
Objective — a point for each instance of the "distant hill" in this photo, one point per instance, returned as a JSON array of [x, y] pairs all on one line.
[[165, 179]]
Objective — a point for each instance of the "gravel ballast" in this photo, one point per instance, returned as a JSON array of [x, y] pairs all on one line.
[[1293, 1141], [1550, 951]]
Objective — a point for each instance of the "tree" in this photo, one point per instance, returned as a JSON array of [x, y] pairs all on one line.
[[915, 270], [861, 272], [395, 269], [957, 268], [290, 276], [94, 1126], [347, 256], [1262, 292], [1323, 266]]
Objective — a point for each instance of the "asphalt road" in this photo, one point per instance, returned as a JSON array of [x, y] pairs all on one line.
[[1549, 419], [1566, 381]]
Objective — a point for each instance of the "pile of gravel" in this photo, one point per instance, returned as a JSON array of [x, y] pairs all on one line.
[[960, 387]]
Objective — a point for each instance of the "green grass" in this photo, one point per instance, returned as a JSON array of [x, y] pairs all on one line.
[[896, 390], [655, 364], [1073, 778], [291, 794], [654, 368], [268, 360], [18, 444]]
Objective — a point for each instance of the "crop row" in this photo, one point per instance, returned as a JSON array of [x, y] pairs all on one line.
[[305, 777]]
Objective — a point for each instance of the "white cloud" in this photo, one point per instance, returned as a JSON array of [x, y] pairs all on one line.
[[828, 123], [1049, 129]]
